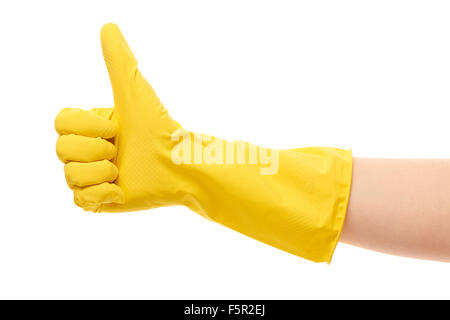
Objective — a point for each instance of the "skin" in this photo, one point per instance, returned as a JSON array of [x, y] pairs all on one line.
[[400, 207]]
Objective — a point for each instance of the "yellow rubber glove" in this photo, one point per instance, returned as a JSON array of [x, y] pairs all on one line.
[[135, 157]]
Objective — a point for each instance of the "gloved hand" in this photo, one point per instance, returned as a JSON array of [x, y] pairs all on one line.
[[136, 157]]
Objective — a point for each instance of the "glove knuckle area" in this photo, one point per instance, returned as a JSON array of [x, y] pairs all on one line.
[[80, 174], [92, 197], [73, 147], [90, 123]]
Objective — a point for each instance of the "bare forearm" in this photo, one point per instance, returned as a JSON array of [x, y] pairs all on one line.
[[401, 207]]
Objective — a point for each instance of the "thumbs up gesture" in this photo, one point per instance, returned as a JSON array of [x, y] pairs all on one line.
[[135, 157], [109, 154]]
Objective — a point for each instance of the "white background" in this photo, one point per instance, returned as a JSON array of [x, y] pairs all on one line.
[[370, 75]]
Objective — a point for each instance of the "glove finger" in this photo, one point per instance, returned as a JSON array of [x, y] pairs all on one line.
[[92, 197], [80, 174], [119, 59], [88, 123], [83, 149]]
